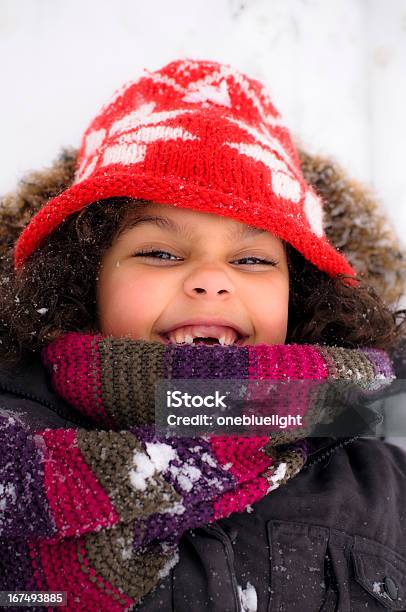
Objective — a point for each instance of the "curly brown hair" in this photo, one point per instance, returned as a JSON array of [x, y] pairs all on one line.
[[55, 290]]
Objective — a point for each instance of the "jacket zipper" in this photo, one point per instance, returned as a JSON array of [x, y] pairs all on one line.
[[216, 529], [72, 418], [323, 454]]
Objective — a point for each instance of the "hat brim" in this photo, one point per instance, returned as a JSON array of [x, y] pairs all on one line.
[[170, 190]]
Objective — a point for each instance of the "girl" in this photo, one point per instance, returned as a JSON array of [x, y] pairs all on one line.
[[186, 221]]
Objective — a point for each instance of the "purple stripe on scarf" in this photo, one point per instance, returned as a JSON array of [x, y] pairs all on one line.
[[24, 507], [303, 445], [16, 571], [157, 525], [212, 362], [380, 360], [198, 500]]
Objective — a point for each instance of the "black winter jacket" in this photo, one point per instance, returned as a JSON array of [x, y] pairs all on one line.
[[332, 538]]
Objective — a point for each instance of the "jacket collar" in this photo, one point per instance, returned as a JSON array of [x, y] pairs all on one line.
[[29, 379]]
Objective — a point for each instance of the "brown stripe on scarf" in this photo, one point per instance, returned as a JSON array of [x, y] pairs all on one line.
[[128, 376], [112, 463], [111, 555]]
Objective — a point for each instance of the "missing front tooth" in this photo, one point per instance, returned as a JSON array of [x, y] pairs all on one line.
[[206, 340]]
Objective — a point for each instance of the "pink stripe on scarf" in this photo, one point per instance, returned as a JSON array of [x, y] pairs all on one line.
[[62, 566], [85, 362], [65, 470]]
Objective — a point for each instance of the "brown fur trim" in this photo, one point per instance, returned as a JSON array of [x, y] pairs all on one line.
[[356, 223], [33, 191]]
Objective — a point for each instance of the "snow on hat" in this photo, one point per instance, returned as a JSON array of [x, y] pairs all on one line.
[[199, 135]]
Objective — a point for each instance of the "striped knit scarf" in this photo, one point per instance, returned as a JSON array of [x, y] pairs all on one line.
[[106, 506]]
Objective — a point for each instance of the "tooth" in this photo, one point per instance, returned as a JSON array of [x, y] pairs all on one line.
[[230, 335], [227, 338], [187, 334], [177, 336]]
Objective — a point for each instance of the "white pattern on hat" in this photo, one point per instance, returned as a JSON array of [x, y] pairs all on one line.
[[260, 154], [159, 132], [283, 183], [157, 77], [132, 119], [86, 170], [144, 115], [286, 187], [201, 93], [215, 77], [184, 66], [265, 139], [314, 213], [123, 152], [93, 141], [226, 71]]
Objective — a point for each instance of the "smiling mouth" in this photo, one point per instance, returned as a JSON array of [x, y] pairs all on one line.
[[208, 341]]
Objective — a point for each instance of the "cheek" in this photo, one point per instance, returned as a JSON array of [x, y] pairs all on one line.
[[127, 304], [275, 308], [270, 311], [270, 296]]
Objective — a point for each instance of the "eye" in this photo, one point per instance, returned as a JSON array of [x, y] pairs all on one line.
[[154, 252], [258, 260]]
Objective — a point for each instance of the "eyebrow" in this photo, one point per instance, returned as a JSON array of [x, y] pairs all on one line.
[[166, 223]]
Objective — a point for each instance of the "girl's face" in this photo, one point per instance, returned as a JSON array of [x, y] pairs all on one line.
[[204, 267]]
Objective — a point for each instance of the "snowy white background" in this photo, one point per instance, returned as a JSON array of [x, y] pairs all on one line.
[[336, 70]]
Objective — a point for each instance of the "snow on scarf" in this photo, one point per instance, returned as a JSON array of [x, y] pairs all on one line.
[[99, 512]]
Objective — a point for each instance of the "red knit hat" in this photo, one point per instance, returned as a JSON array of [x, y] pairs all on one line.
[[198, 135]]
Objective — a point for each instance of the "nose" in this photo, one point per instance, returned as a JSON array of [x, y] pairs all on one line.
[[210, 282]]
